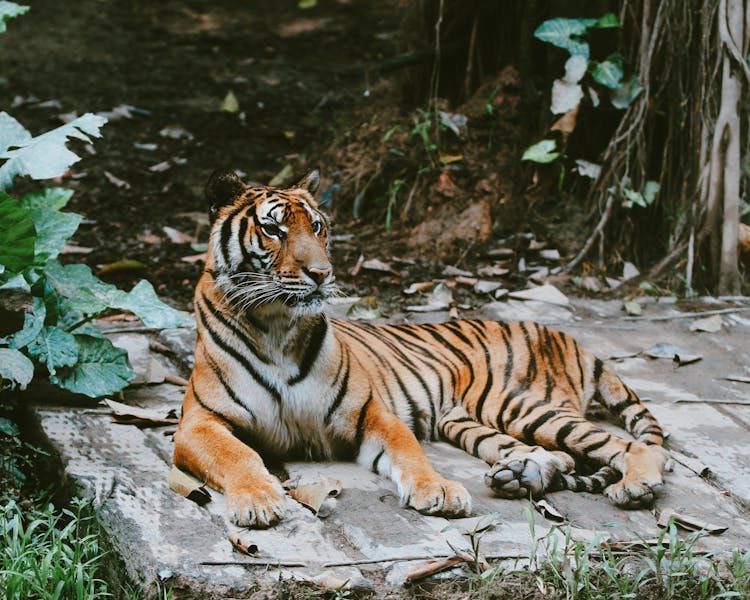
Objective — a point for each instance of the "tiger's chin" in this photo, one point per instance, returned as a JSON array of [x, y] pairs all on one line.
[[312, 304]]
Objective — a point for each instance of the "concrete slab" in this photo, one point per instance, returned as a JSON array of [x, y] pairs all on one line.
[[364, 536]]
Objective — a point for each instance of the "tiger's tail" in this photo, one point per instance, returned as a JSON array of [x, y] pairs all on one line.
[[622, 402]]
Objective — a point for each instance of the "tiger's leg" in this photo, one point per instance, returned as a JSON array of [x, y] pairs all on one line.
[[390, 448], [562, 428], [205, 446], [517, 468]]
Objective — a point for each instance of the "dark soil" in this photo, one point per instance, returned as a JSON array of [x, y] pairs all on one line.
[[293, 72], [310, 94]]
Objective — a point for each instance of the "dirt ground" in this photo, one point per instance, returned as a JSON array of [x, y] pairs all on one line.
[[310, 94]]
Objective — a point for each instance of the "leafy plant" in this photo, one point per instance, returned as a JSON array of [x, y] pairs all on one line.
[[56, 301]]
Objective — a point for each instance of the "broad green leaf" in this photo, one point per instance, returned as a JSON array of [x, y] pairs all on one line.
[[101, 369], [15, 367], [8, 11], [33, 322], [55, 348], [46, 156], [55, 198], [12, 133], [53, 230], [565, 33], [17, 282], [541, 152], [82, 289], [17, 235], [607, 21], [575, 68], [609, 72], [622, 96], [143, 302]]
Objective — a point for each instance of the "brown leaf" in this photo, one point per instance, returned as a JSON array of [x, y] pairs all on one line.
[[567, 123], [375, 264], [244, 546], [312, 495], [176, 236], [431, 567], [548, 511], [194, 258], [133, 415], [188, 486], [73, 249], [422, 286], [688, 522]]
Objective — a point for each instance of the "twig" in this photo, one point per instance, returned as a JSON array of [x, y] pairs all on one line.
[[252, 563], [689, 315], [598, 230]]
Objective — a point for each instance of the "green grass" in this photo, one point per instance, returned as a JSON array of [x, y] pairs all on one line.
[[49, 554]]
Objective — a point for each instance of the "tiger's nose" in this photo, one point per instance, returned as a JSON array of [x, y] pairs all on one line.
[[317, 274]]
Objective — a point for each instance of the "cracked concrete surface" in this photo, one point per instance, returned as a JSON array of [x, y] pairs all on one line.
[[365, 537]]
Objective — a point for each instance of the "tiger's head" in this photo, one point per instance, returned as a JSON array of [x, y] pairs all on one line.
[[268, 249]]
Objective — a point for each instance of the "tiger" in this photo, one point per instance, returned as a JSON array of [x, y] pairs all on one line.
[[275, 376]]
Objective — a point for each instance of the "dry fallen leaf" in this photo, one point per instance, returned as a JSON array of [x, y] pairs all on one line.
[[544, 293], [133, 415], [451, 271], [176, 236], [312, 495], [688, 522], [431, 567], [492, 271], [548, 511], [364, 309], [375, 264], [423, 286], [116, 181], [188, 486], [194, 258], [709, 324], [121, 266]]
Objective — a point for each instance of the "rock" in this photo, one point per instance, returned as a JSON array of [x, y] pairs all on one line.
[[182, 344]]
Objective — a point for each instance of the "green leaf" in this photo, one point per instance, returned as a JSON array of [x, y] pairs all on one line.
[[55, 198], [10, 10], [632, 197], [8, 427], [15, 367], [55, 348], [17, 235], [563, 33], [33, 322], [82, 289], [46, 156], [12, 133], [541, 152], [143, 302], [607, 21], [101, 369], [609, 72], [626, 92], [53, 230]]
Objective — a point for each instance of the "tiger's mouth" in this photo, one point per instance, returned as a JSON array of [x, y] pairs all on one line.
[[313, 299]]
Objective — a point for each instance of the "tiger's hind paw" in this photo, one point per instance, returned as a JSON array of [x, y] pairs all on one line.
[[523, 474], [634, 494]]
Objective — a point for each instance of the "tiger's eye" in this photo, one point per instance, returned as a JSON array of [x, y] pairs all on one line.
[[316, 227]]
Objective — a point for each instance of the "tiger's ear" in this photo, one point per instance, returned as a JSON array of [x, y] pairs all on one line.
[[221, 189], [309, 182]]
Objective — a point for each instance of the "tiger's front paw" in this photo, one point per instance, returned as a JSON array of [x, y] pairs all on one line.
[[440, 497], [532, 473], [634, 494], [260, 504]]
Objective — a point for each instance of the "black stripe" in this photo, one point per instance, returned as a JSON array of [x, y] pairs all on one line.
[[219, 316], [597, 445], [215, 413], [563, 433], [361, 422], [342, 388], [479, 439], [376, 461], [226, 232], [238, 357], [227, 388], [315, 343], [531, 367]]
